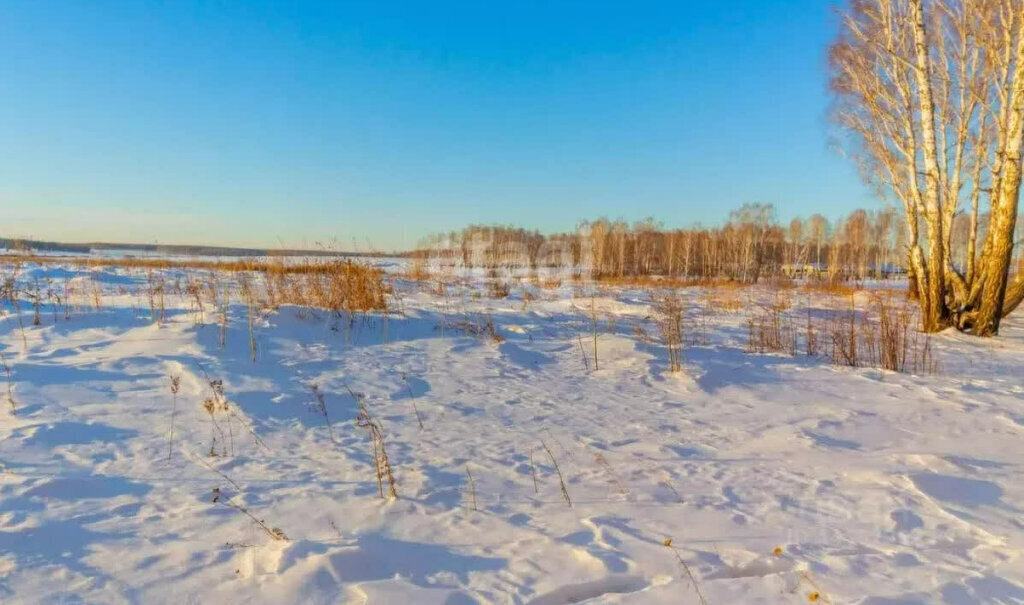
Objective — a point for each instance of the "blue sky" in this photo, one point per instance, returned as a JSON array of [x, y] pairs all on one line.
[[374, 123]]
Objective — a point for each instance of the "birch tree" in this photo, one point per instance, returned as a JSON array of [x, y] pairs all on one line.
[[931, 93]]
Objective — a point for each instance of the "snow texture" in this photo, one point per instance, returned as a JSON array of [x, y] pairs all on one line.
[[877, 488]]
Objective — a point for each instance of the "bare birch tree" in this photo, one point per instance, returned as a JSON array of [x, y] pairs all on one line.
[[932, 94]]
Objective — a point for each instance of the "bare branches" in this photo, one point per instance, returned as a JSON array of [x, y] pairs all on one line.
[[925, 91]]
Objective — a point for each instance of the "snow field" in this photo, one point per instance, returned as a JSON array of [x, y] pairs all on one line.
[[875, 487]]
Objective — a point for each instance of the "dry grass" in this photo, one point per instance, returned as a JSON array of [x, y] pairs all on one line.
[[533, 472], [812, 341], [780, 282], [9, 291], [218, 406], [10, 384], [884, 335], [275, 533], [561, 479], [381, 461], [728, 299], [472, 488], [835, 288], [699, 327], [333, 284], [194, 290], [155, 288], [213, 406], [670, 323], [815, 594], [612, 475], [583, 353], [527, 299], [881, 334], [594, 327], [321, 406], [258, 265], [496, 288], [340, 286], [175, 387], [770, 328], [659, 281], [252, 304], [480, 325], [418, 270], [412, 399], [686, 568]]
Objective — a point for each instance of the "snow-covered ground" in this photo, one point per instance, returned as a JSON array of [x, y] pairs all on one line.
[[775, 477]]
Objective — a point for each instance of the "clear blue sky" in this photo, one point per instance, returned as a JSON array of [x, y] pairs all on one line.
[[260, 123]]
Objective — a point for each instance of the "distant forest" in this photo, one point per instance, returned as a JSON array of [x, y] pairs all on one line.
[[751, 245]]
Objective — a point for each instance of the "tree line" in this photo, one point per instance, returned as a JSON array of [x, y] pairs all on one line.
[[750, 246]]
